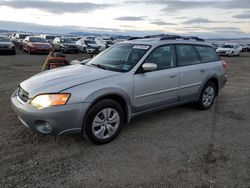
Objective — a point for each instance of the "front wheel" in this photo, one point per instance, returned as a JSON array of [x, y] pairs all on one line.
[[104, 121], [207, 96]]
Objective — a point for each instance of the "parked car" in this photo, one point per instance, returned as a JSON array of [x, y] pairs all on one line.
[[6, 46], [33, 44], [244, 48], [65, 44], [88, 46], [18, 41], [104, 42], [229, 49], [129, 79], [49, 38]]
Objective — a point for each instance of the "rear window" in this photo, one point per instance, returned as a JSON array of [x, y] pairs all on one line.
[[50, 37], [186, 55], [207, 54]]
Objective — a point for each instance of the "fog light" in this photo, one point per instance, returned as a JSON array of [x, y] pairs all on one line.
[[43, 127]]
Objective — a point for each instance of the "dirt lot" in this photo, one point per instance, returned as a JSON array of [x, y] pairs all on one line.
[[180, 147]]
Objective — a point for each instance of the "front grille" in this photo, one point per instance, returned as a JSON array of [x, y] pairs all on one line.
[[222, 52], [72, 46], [23, 95]]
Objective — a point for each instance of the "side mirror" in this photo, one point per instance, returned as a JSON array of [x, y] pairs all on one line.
[[147, 67]]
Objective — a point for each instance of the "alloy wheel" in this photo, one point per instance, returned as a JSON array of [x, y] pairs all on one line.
[[208, 96]]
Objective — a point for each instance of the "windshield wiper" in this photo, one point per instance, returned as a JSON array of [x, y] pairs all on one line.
[[99, 66]]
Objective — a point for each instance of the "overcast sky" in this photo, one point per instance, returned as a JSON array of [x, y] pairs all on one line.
[[205, 18]]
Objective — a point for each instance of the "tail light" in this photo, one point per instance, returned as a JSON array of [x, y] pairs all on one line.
[[224, 64]]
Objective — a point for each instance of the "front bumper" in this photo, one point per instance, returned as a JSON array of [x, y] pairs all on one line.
[[68, 49], [92, 51], [55, 120], [225, 53], [6, 49], [40, 50]]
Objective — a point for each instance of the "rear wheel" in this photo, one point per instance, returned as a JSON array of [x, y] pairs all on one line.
[[104, 121], [207, 96]]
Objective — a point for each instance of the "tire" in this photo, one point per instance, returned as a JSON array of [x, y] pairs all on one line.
[[14, 52], [207, 96], [100, 129], [29, 51]]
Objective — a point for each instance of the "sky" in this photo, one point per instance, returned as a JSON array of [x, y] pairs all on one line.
[[203, 18]]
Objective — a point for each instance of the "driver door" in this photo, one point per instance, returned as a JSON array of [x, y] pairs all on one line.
[[160, 87]]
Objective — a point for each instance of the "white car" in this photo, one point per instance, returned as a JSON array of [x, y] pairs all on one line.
[[229, 49], [49, 38], [88, 46], [104, 42]]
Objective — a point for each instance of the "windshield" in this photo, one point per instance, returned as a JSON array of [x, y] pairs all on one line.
[[23, 36], [4, 39], [120, 58], [37, 39], [67, 40], [90, 42], [227, 46], [109, 42], [50, 37]]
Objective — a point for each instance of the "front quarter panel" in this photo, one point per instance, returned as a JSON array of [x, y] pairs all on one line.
[[121, 84]]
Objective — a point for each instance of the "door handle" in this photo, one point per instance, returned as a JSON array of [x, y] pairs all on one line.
[[172, 75]]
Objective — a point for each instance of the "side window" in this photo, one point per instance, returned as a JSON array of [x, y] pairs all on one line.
[[207, 54], [163, 57], [186, 55]]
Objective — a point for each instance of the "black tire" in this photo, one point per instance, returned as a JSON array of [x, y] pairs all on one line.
[[201, 103], [14, 51], [85, 51], [93, 112], [29, 51]]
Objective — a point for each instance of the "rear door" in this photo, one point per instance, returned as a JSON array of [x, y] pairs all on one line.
[[192, 71], [160, 87]]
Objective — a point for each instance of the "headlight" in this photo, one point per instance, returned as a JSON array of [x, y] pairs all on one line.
[[46, 100]]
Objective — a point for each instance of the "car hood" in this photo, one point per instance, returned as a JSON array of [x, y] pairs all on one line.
[[56, 80], [69, 44], [95, 46], [40, 44]]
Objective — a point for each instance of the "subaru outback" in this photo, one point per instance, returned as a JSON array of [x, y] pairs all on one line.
[[129, 79]]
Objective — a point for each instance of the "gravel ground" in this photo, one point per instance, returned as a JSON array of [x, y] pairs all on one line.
[[179, 147]]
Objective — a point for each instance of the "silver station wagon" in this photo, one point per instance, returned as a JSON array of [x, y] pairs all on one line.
[[97, 98]]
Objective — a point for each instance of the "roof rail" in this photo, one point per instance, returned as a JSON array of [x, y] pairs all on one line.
[[174, 37], [134, 38], [169, 37]]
